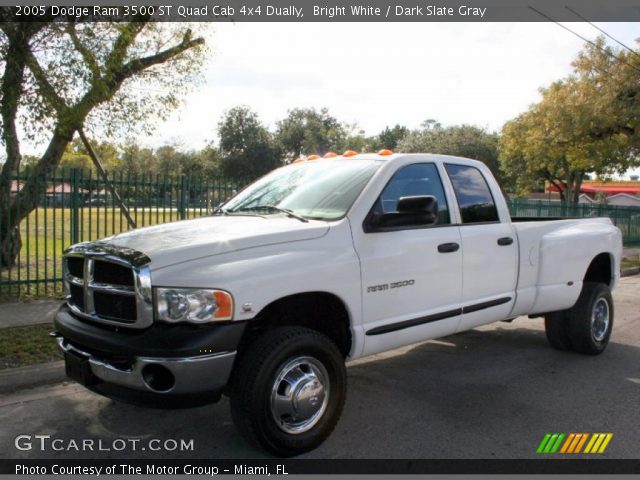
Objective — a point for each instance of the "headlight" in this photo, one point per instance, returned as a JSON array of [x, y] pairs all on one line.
[[193, 305]]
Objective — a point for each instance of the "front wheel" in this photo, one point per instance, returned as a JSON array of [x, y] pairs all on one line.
[[288, 390]]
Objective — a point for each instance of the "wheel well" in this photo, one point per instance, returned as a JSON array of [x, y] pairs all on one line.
[[600, 270], [320, 311]]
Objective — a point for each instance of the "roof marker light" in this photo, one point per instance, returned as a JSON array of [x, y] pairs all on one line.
[[298, 160], [350, 153], [384, 151], [330, 155], [313, 157]]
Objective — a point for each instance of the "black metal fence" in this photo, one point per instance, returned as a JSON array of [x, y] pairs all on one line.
[[76, 206]]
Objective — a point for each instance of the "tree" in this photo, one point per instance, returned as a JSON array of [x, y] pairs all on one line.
[[61, 77], [306, 131], [389, 137], [586, 123], [461, 140], [247, 149]]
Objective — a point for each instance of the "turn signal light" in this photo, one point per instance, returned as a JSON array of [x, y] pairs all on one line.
[[349, 153], [330, 155], [384, 151]]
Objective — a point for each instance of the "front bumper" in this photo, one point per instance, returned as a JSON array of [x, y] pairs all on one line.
[[162, 361]]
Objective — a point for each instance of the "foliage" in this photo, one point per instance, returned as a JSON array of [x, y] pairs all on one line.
[[247, 149], [460, 140], [586, 123], [306, 131]]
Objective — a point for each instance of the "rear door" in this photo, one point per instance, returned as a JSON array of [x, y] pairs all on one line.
[[411, 275], [490, 249]]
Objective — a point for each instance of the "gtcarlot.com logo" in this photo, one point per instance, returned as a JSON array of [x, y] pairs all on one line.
[[573, 443]]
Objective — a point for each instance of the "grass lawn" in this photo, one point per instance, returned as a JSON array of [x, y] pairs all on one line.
[[20, 346]]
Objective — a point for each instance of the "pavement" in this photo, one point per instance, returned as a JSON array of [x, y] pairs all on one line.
[[492, 392], [31, 312]]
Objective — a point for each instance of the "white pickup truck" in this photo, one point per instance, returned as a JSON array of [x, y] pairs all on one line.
[[314, 264]]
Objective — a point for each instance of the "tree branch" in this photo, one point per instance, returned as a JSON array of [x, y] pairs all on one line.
[[139, 64], [48, 91], [87, 55]]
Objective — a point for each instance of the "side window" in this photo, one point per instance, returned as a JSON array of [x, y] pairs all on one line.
[[473, 194], [417, 179]]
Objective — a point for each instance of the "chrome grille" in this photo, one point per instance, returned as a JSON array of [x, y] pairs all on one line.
[[108, 284]]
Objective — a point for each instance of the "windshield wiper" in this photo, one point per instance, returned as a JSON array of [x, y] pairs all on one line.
[[286, 211]]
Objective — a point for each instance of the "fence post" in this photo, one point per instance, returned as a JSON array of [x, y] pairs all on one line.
[[183, 197], [75, 207]]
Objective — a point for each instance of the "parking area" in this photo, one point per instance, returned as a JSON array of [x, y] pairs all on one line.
[[492, 392]]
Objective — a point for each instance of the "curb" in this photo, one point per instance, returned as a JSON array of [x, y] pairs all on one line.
[[628, 272], [14, 379]]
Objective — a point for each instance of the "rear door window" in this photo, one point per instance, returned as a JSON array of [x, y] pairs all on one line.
[[473, 194]]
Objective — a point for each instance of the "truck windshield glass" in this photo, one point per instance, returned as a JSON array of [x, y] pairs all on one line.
[[320, 189]]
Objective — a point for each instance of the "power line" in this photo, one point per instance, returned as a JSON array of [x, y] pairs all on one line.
[[602, 31], [603, 50]]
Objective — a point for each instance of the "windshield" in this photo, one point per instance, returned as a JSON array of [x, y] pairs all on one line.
[[321, 189]]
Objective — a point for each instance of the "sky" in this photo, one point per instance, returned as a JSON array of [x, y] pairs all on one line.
[[375, 75]]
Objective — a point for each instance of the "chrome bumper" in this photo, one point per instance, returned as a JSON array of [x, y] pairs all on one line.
[[190, 374]]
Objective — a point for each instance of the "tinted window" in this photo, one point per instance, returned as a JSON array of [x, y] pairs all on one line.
[[412, 180], [473, 194]]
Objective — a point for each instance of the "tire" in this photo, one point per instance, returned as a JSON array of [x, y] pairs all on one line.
[[590, 320], [556, 326], [262, 400]]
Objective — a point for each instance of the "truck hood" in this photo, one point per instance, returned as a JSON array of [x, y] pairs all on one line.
[[177, 242]]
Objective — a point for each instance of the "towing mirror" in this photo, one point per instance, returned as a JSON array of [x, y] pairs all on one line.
[[418, 205], [414, 211]]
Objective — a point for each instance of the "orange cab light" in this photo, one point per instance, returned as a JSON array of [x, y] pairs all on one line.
[[298, 160], [384, 151], [330, 155], [349, 153], [313, 157]]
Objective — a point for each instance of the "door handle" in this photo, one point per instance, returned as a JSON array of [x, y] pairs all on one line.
[[448, 247], [505, 241]]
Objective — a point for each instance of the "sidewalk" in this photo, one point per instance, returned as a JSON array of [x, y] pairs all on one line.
[[16, 314]]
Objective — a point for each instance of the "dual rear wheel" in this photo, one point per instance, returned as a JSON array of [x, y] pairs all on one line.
[[586, 327]]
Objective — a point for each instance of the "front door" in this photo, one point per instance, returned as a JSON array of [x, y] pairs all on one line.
[[411, 274]]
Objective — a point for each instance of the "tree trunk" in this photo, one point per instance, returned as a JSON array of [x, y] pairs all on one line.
[[10, 245], [23, 202]]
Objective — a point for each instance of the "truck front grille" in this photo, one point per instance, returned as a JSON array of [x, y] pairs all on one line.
[[105, 287]]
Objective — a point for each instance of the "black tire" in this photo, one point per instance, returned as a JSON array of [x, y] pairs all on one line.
[[586, 336], [252, 390], [556, 326]]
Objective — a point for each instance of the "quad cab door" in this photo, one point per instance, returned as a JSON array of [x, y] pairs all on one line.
[[411, 273], [490, 248]]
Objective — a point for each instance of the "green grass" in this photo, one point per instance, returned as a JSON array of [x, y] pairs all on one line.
[[20, 346]]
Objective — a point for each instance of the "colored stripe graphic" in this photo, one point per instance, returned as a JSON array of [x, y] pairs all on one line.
[[550, 443], [598, 442], [574, 443]]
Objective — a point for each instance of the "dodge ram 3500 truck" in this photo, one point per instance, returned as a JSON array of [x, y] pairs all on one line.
[[314, 264]]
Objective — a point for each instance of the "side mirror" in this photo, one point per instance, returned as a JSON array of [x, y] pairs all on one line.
[[418, 205], [419, 210]]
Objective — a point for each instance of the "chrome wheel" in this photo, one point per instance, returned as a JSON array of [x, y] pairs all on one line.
[[600, 320], [300, 395]]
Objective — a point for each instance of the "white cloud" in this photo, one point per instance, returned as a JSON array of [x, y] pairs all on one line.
[[378, 74]]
